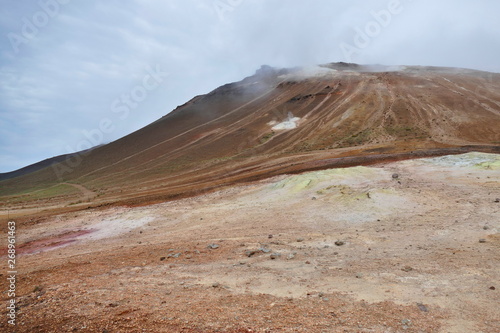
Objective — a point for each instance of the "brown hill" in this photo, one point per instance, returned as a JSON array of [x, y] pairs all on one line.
[[277, 121]]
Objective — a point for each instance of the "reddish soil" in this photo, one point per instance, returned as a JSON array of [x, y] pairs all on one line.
[[411, 260]]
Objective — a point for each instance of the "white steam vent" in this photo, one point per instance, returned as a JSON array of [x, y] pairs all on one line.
[[289, 123]]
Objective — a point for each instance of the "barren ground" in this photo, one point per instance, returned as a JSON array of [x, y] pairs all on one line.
[[410, 257]]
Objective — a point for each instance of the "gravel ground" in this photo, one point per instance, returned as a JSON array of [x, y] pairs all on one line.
[[408, 246]]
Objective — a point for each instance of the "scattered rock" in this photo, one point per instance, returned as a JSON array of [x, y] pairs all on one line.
[[407, 269], [406, 323], [213, 246], [215, 285], [422, 307], [497, 200], [270, 236], [482, 240], [359, 276], [313, 198], [275, 255], [308, 262], [163, 258], [486, 227], [265, 250], [250, 253], [300, 239], [395, 176], [339, 243], [290, 256], [492, 288]]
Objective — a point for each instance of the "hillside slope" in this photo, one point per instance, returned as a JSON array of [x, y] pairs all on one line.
[[278, 121]]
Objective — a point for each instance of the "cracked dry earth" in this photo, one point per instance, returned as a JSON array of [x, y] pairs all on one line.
[[407, 246]]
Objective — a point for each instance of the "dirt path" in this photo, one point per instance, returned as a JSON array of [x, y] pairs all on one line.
[[88, 194]]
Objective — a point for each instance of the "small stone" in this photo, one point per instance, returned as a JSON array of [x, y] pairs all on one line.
[[497, 200], [486, 227], [270, 236], [406, 322], [263, 249], [213, 246], [422, 307], [300, 239], [215, 285], [275, 255], [339, 243], [163, 258], [313, 198], [359, 276], [250, 253], [395, 176], [492, 288], [308, 262], [290, 256], [407, 269], [482, 240]]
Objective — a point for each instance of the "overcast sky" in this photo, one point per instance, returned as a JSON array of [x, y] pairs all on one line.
[[75, 73]]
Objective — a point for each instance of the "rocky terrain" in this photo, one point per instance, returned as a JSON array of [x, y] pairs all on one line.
[[408, 246]]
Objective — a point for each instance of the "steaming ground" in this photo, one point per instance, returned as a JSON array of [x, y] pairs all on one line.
[[401, 247]]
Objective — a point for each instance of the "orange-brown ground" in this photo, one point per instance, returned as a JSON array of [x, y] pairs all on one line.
[[411, 258]]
